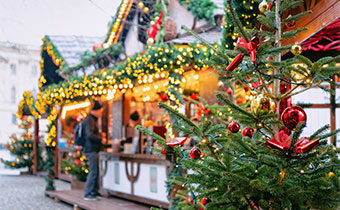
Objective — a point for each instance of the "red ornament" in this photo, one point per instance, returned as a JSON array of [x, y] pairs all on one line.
[[77, 162], [205, 201], [236, 62], [163, 151], [195, 153], [176, 141], [229, 91], [292, 116], [97, 46], [305, 145], [234, 127], [281, 141], [248, 132], [251, 47], [207, 111], [164, 97], [75, 156]]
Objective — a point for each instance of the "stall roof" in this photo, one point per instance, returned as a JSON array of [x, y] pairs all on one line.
[[71, 48]]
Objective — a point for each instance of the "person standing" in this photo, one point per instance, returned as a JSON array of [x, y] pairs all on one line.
[[91, 148]]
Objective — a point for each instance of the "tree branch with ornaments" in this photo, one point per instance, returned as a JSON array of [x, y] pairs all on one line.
[[253, 155]]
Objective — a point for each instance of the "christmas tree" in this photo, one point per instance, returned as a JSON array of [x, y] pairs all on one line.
[[250, 154], [21, 147]]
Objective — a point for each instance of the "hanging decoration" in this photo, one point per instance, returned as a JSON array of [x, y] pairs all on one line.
[[251, 47], [153, 30], [296, 49], [262, 104], [264, 6], [195, 153], [236, 62], [248, 132], [292, 116], [233, 127]]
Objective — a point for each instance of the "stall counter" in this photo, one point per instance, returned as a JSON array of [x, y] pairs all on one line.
[[139, 177]]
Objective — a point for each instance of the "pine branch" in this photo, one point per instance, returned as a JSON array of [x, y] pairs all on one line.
[[319, 131], [182, 117], [150, 133], [226, 101]]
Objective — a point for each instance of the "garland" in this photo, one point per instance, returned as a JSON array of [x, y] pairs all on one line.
[[118, 23], [158, 62], [27, 106], [53, 52]]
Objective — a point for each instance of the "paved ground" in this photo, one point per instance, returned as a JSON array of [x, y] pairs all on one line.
[[27, 193]]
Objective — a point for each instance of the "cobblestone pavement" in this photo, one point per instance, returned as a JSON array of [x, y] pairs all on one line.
[[26, 192]]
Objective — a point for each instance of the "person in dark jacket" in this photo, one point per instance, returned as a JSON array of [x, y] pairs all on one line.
[[91, 148]]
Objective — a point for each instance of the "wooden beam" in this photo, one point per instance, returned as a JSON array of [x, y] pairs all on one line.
[[324, 12]]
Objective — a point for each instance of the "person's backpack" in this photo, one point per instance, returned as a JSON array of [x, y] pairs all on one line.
[[79, 138]]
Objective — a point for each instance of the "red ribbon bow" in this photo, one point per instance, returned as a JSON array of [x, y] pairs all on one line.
[[284, 140], [251, 47], [305, 145]]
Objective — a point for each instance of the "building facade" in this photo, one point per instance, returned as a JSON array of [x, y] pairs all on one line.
[[19, 67]]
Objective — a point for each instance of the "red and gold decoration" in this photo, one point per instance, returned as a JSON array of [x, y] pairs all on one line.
[[177, 141], [76, 164], [233, 127], [203, 110], [292, 116], [296, 49], [251, 47], [195, 153], [248, 132], [164, 97], [205, 201], [262, 104], [236, 62], [153, 30]]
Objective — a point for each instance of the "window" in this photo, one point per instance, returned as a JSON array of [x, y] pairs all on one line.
[[14, 119], [13, 95], [34, 70], [13, 69]]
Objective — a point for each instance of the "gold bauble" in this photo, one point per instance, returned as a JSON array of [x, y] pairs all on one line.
[[146, 9], [140, 5], [264, 6], [262, 104], [330, 174], [296, 49], [150, 41]]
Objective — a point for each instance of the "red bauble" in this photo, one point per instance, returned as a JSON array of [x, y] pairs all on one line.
[[207, 111], [248, 132], [246, 88], [230, 91], [77, 162], [205, 201], [195, 153], [292, 116], [234, 127]]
